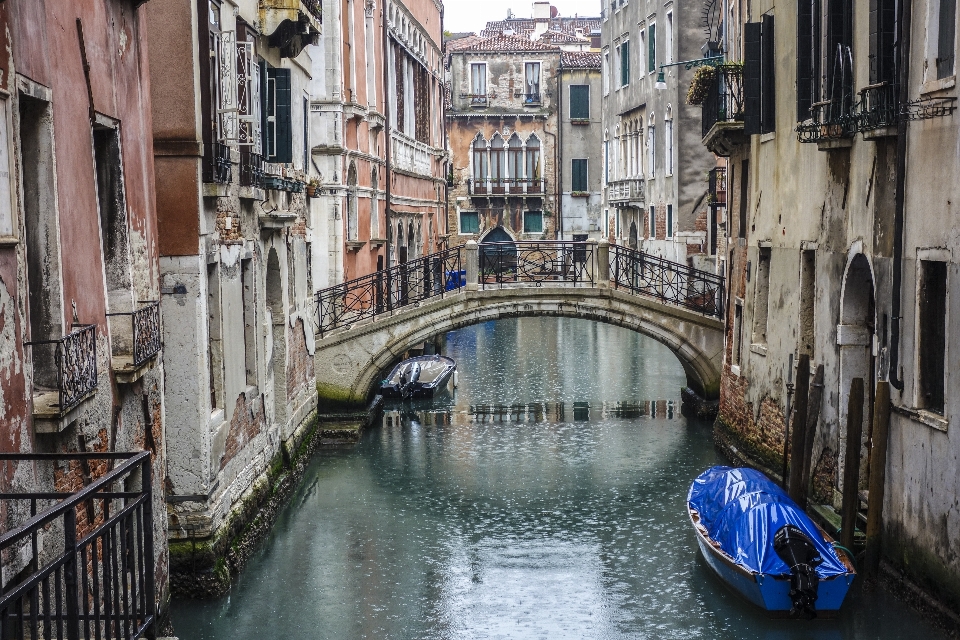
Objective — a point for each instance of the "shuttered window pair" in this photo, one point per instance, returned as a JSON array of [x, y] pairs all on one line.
[[278, 115], [579, 175], [759, 78], [580, 102]]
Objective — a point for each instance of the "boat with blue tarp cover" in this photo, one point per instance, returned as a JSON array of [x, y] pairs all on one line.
[[762, 544]]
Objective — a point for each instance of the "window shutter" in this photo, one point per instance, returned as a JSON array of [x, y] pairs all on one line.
[[652, 48], [579, 101], [282, 112], [945, 42], [768, 94], [805, 58], [751, 78], [579, 175]]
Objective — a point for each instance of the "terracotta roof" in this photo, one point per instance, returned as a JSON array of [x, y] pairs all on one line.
[[559, 37], [527, 25], [580, 60], [462, 43], [505, 43]]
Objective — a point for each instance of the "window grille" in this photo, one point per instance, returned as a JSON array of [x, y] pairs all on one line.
[[249, 132], [227, 86]]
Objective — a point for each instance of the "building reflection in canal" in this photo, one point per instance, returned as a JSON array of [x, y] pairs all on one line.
[[544, 498]]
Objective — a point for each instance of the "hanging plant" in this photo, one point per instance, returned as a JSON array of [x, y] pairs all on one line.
[[703, 77]]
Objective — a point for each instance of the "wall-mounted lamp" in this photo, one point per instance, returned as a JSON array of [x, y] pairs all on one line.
[[709, 61]]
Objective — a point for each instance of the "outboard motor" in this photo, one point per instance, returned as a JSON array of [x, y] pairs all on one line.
[[797, 551], [408, 378]]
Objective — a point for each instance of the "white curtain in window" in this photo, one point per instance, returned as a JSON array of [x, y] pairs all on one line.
[[533, 80]]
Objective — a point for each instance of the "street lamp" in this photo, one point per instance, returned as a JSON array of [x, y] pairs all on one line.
[[707, 61]]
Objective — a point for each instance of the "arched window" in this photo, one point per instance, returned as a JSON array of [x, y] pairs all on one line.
[[497, 162], [412, 241], [533, 160], [651, 147], [479, 159], [374, 204], [352, 204], [515, 160]]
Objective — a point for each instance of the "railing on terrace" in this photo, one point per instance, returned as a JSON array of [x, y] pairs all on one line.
[[411, 155], [75, 356], [723, 101], [504, 186], [631, 189], [251, 170], [216, 164], [147, 335], [100, 584], [671, 282], [536, 263], [429, 277]]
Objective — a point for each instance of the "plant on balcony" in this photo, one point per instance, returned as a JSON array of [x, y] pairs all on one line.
[[705, 76], [312, 187]]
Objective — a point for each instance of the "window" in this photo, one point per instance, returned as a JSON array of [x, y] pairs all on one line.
[[214, 338], [248, 301], [515, 160], [738, 333], [653, 222], [759, 78], [479, 159], [606, 161], [642, 51], [668, 44], [278, 129], [469, 222], [531, 80], [762, 297], [605, 72], [808, 282], [668, 142], [744, 196], [533, 222], [669, 221], [478, 83], [113, 217], [579, 175], [374, 204], [533, 158], [353, 214], [497, 161], [580, 102], [652, 48], [946, 29], [651, 155], [624, 63], [617, 223], [931, 334]]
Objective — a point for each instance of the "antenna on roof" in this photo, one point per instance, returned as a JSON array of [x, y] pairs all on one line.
[[509, 14]]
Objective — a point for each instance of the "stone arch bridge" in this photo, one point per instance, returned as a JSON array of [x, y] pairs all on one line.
[[365, 325]]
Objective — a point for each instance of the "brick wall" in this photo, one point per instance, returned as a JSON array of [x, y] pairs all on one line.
[[300, 374], [249, 419]]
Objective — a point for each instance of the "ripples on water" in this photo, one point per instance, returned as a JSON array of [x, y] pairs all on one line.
[[546, 499]]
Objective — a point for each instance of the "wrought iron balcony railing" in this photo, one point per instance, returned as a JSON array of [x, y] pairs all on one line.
[[830, 120], [251, 170], [476, 99], [717, 181], [536, 263], [216, 162], [147, 334], [100, 583], [528, 98], [878, 107], [504, 186], [75, 356], [671, 282], [723, 101], [366, 297]]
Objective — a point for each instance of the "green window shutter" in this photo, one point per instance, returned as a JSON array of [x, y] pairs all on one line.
[[579, 175], [626, 63], [533, 222], [282, 112], [652, 50], [580, 101], [751, 78]]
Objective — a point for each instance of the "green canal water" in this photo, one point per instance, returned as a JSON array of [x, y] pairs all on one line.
[[545, 499]]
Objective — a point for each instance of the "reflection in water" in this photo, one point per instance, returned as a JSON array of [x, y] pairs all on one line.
[[543, 499]]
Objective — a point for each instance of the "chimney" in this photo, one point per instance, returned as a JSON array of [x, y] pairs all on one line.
[[541, 10]]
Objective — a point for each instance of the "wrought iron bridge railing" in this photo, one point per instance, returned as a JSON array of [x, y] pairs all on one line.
[[75, 356], [536, 263], [100, 582], [426, 278], [671, 282], [147, 335]]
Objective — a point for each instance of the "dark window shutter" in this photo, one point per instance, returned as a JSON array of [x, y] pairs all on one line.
[[945, 41], [751, 78], [266, 102], [805, 58], [579, 101], [283, 116], [579, 175], [768, 94], [652, 48]]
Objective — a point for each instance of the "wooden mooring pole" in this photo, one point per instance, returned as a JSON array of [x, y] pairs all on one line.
[[799, 423], [851, 466], [815, 399], [878, 474]]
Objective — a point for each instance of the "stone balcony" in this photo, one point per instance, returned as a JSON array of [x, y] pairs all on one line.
[[626, 193]]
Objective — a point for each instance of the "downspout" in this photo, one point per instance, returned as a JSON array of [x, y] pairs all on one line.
[[387, 128], [556, 160], [903, 42], [448, 163]]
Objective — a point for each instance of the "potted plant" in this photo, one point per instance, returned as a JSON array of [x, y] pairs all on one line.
[[312, 187]]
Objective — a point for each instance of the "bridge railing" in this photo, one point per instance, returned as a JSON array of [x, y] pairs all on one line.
[[671, 282], [368, 296], [536, 262]]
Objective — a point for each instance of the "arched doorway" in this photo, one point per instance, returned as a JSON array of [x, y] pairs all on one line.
[[498, 253], [855, 341], [278, 354]]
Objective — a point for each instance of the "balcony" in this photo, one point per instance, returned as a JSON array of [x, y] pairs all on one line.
[[833, 124], [65, 374], [529, 99], [626, 193], [723, 110], [477, 100], [216, 164], [717, 191], [136, 339], [411, 155], [291, 24], [503, 187], [251, 175]]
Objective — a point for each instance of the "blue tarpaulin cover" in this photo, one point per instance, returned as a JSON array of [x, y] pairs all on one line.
[[742, 509]]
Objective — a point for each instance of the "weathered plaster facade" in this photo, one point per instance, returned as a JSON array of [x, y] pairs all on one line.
[[78, 241], [235, 244]]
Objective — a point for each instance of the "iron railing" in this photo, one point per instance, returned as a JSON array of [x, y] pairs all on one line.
[[717, 180], [671, 282], [75, 356], [315, 8], [147, 336], [535, 263], [368, 296], [528, 98], [723, 101], [101, 584], [217, 164], [504, 186], [879, 107], [251, 170]]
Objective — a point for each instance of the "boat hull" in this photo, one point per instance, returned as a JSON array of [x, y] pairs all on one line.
[[435, 378], [767, 591]]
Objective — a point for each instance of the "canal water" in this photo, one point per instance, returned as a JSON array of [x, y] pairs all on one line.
[[545, 499]]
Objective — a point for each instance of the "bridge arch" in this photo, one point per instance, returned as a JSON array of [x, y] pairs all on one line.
[[349, 361]]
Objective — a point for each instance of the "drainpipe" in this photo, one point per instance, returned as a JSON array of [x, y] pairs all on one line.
[[448, 164], [386, 127], [556, 152], [903, 42]]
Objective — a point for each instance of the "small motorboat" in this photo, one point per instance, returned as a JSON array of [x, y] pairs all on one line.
[[758, 541], [419, 377]]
